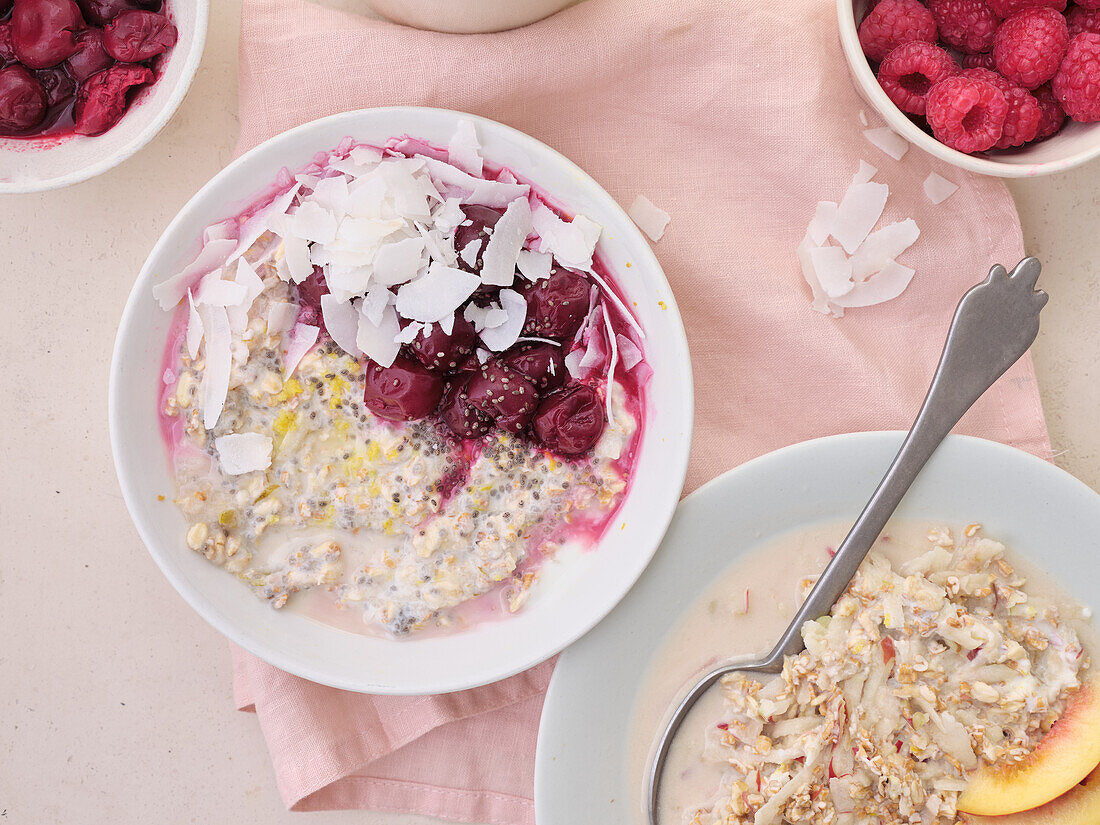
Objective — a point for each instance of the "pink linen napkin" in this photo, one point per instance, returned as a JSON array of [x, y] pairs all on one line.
[[734, 118]]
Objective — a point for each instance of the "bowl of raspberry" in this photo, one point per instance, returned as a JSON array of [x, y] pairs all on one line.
[[1009, 88], [84, 84], [401, 401]]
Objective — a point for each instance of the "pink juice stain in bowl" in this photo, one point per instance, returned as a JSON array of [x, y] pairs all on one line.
[[558, 465]]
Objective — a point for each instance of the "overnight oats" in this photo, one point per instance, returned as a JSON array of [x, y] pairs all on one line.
[[938, 676], [398, 386]]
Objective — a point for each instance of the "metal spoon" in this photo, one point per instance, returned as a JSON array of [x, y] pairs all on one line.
[[994, 324]]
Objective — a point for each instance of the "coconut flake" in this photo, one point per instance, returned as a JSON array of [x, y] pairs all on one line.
[[573, 243], [258, 224], [499, 338], [483, 355], [884, 286], [502, 251], [611, 365], [194, 328], [534, 266], [821, 226], [820, 299], [863, 117], [938, 188], [617, 301], [475, 190], [219, 362], [865, 172], [280, 317], [888, 141], [378, 341], [398, 262], [298, 261], [331, 194], [595, 354], [534, 339], [882, 246], [650, 219], [409, 333], [244, 452], [341, 322], [216, 292], [833, 270], [630, 352], [463, 150], [299, 341], [470, 250], [449, 216], [484, 317], [253, 285], [858, 213], [314, 223], [212, 257], [375, 303], [436, 294], [573, 363]]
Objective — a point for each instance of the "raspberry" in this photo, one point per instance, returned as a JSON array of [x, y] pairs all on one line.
[[1052, 115], [980, 61], [1030, 46], [1077, 84], [1024, 114], [1081, 19], [910, 70], [1007, 8], [968, 25], [892, 23], [966, 114], [1087, 4]]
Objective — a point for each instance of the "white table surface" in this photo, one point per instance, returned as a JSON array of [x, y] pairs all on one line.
[[115, 702]]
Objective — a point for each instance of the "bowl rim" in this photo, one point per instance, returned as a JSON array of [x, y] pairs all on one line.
[[896, 119], [674, 472], [1047, 481], [143, 138]]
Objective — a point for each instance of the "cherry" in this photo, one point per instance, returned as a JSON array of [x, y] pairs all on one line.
[[478, 219], [134, 36], [43, 32], [499, 391], [102, 12], [91, 58], [7, 51], [5, 6], [59, 87], [23, 101], [404, 391], [556, 306], [101, 101], [463, 419], [570, 421], [445, 353], [534, 362]]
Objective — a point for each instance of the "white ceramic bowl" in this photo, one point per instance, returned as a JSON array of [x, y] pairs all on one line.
[[38, 165], [1075, 144], [583, 771], [573, 594]]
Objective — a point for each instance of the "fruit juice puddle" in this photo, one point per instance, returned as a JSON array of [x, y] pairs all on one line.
[[422, 483], [744, 613]]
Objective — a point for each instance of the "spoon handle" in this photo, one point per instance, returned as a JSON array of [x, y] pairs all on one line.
[[994, 324]]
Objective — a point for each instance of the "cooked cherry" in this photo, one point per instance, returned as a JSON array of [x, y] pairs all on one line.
[[91, 58], [7, 52], [556, 306], [102, 98], [134, 36], [570, 421], [102, 12], [58, 85], [23, 101], [404, 391], [464, 420], [43, 32], [498, 390], [478, 219], [445, 353], [542, 364]]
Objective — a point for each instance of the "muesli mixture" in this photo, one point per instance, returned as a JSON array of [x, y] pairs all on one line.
[[918, 676], [405, 380]]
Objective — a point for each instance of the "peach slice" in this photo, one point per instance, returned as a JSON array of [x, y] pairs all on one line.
[[1080, 806], [1065, 756]]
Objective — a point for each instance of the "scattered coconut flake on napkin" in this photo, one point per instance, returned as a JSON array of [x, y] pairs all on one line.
[[244, 452], [649, 218], [938, 188], [862, 270], [888, 141]]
